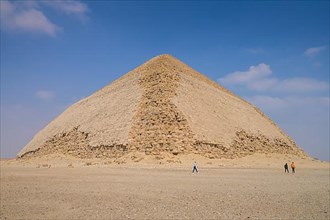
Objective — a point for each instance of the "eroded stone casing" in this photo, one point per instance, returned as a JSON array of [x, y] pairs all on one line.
[[162, 106]]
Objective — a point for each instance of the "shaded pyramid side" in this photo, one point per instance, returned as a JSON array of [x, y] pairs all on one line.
[[225, 125]]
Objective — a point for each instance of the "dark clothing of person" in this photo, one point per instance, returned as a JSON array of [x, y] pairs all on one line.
[[286, 168], [195, 168]]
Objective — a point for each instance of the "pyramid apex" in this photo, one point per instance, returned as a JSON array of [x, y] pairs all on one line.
[[164, 60], [163, 56]]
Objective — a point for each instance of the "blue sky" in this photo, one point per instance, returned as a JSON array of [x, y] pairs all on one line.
[[274, 54]]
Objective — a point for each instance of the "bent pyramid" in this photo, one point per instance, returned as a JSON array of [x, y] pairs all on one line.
[[162, 106]]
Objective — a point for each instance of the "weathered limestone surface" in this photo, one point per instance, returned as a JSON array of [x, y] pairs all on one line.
[[76, 143], [162, 106], [106, 116], [159, 125], [217, 119]]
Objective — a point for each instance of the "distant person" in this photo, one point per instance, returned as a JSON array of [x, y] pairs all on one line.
[[286, 167], [293, 167], [195, 168]]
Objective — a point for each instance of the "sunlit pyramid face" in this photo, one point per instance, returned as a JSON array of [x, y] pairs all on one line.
[[161, 107]]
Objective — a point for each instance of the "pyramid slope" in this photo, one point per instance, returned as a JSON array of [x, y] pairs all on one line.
[[162, 106], [225, 124], [104, 118]]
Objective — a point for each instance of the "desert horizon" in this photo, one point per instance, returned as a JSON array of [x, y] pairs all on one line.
[[252, 188]]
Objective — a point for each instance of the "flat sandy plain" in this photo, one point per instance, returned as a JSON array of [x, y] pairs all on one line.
[[219, 191]]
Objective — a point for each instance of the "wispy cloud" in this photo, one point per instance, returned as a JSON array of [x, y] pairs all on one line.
[[259, 78], [29, 16], [73, 8], [45, 94], [25, 17], [302, 85], [313, 51], [304, 118], [293, 103], [272, 103], [253, 73]]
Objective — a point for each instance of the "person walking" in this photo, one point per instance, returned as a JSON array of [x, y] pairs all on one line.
[[195, 168], [286, 168], [293, 167]]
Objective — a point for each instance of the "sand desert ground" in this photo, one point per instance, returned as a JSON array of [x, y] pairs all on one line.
[[253, 187]]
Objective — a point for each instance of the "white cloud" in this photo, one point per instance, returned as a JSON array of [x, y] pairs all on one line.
[[25, 17], [274, 103], [34, 20], [302, 85], [296, 109], [241, 77], [258, 78], [262, 84], [313, 51], [6, 8], [29, 16], [74, 8], [45, 95], [266, 102]]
